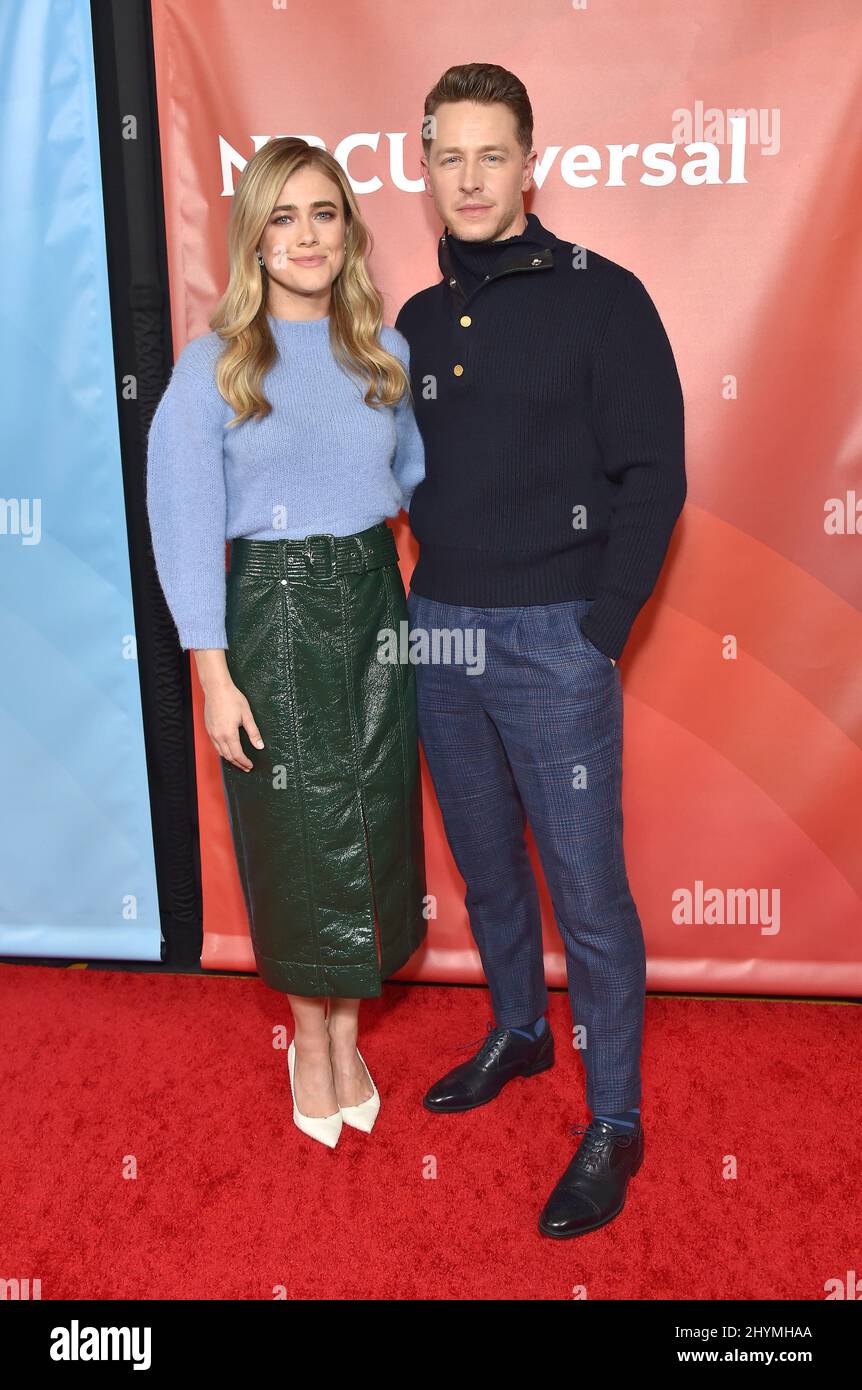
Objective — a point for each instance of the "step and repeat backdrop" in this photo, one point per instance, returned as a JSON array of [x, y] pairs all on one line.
[[714, 149], [77, 870]]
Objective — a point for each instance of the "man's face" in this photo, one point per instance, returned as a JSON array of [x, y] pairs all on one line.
[[476, 171]]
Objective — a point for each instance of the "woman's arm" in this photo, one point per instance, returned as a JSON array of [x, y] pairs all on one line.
[[186, 501], [408, 465], [187, 508]]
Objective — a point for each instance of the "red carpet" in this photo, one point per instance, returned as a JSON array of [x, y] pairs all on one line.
[[231, 1201]]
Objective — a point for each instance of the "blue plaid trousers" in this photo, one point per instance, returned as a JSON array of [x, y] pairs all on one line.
[[531, 731]]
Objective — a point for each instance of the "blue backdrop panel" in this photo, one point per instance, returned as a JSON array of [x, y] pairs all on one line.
[[77, 876]]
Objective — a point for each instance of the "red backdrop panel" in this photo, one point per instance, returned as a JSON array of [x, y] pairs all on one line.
[[743, 702]]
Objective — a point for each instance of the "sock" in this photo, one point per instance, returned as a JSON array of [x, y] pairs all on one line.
[[533, 1030], [622, 1120]]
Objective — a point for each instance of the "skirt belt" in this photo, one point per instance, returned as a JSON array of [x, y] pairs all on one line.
[[320, 556]]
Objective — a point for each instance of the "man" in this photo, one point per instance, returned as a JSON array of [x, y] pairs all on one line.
[[551, 413]]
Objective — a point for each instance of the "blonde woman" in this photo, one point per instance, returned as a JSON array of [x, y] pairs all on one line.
[[289, 431]]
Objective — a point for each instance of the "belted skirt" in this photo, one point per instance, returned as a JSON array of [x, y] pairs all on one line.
[[327, 826]]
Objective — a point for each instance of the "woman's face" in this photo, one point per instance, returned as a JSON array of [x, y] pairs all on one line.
[[303, 241]]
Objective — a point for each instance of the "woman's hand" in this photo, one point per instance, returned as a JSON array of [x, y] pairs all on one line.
[[226, 710]]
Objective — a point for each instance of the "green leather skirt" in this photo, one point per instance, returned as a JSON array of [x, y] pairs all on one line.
[[327, 826]]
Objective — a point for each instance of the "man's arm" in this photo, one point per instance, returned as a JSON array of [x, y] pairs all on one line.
[[638, 416]]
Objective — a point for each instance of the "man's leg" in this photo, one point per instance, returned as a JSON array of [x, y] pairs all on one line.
[[559, 711], [483, 818]]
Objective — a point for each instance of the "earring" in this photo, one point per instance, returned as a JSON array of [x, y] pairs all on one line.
[[260, 259]]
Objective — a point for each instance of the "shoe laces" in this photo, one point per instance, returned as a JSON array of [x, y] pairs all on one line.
[[593, 1146], [493, 1037]]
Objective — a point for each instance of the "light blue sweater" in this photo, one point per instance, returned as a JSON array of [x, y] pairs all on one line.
[[322, 462]]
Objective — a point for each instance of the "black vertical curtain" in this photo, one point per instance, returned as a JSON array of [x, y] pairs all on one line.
[[141, 326]]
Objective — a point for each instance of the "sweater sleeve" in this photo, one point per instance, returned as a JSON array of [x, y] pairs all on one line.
[[186, 502], [638, 416], [408, 464]]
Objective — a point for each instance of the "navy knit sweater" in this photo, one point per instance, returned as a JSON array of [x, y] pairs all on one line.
[[551, 411]]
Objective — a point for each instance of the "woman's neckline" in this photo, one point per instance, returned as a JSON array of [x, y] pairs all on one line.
[[296, 323]]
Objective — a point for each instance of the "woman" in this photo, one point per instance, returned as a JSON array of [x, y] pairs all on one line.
[[289, 431]]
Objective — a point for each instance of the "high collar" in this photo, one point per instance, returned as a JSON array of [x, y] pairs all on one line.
[[285, 326], [532, 249]]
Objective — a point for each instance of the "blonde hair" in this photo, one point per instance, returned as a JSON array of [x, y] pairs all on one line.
[[356, 306]]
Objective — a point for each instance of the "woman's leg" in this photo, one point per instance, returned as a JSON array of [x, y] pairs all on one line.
[[313, 1084], [352, 1083]]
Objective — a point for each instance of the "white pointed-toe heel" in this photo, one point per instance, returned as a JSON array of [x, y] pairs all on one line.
[[362, 1116], [325, 1128]]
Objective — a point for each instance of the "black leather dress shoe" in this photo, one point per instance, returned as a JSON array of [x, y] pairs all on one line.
[[592, 1191], [503, 1055]]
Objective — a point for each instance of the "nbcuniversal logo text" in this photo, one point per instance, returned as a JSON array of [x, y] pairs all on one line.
[[694, 161]]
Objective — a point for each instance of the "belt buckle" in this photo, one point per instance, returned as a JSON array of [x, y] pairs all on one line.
[[308, 556]]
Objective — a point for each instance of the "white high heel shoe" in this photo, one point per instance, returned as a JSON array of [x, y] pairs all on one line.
[[326, 1128], [362, 1116]]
